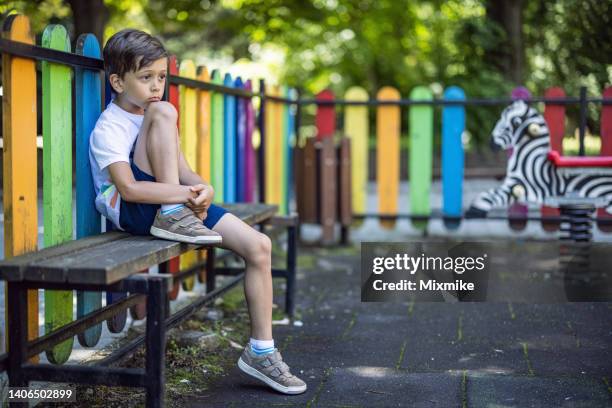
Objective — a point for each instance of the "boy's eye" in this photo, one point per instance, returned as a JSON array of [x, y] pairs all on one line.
[[146, 77], [162, 77]]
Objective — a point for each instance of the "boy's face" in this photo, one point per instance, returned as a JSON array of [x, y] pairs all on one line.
[[136, 90]]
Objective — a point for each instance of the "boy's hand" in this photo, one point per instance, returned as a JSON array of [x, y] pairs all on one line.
[[201, 215], [203, 198]]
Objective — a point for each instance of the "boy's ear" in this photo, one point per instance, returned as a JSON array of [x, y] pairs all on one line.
[[116, 83]]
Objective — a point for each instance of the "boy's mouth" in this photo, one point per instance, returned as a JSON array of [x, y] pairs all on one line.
[[154, 99]]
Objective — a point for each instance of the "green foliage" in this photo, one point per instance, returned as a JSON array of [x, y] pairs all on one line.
[[41, 12], [570, 45], [373, 43]]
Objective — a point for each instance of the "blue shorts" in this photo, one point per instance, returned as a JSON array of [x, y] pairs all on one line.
[[137, 218]]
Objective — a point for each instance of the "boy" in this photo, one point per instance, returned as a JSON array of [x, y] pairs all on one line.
[[144, 185]]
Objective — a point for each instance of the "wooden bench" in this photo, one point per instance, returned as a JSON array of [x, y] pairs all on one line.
[[109, 262], [95, 262]]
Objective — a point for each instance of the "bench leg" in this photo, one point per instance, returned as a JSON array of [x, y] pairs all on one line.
[[291, 269], [210, 269], [17, 333], [17, 336], [156, 342], [344, 234]]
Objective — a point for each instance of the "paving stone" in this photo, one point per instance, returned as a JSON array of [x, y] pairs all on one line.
[[239, 390], [527, 392], [365, 386]]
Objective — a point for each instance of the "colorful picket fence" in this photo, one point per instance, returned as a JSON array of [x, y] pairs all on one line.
[[215, 132], [388, 129], [420, 117]]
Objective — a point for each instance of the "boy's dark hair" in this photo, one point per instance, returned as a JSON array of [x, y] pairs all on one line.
[[130, 50]]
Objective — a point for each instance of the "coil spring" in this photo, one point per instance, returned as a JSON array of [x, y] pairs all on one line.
[[577, 222], [574, 259]]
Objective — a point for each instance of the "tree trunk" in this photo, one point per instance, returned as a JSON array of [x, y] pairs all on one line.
[[509, 57], [90, 16]]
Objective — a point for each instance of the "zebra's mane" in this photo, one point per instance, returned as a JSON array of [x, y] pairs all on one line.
[[513, 128]]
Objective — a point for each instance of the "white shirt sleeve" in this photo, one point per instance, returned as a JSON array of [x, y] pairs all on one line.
[[110, 143]]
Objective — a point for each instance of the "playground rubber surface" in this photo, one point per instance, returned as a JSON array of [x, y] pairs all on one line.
[[354, 354]]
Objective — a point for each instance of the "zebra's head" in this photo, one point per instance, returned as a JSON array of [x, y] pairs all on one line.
[[518, 121]]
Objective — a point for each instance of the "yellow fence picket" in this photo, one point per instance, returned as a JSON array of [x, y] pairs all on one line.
[[188, 126], [19, 133]]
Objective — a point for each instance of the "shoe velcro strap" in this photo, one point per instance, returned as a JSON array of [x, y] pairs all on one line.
[[179, 215], [187, 224], [281, 366]]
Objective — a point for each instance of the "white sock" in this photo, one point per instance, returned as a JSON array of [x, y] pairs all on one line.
[[170, 208], [261, 346]]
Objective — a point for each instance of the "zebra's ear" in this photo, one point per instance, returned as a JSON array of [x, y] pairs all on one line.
[[534, 130], [519, 103]]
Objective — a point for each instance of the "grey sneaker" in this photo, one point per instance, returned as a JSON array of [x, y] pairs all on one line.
[[272, 370], [183, 226]]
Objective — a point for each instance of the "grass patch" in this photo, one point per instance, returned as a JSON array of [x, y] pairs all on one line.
[[278, 314], [306, 261], [339, 251], [233, 299], [190, 371], [592, 145]]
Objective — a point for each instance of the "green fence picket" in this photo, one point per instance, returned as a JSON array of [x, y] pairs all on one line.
[[57, 177], [217, 139], [420, 160]]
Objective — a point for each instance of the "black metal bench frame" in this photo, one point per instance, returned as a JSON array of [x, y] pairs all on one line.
[[155, 288]]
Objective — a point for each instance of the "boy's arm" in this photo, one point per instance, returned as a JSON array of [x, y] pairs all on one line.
[[146, 192]]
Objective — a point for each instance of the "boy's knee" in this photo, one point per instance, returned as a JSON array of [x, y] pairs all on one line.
[[265, 244], [162, 110], [261, 248]]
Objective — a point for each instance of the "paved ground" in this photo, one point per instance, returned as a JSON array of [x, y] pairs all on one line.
[[355, 354]]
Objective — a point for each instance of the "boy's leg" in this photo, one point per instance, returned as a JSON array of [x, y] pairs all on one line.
[[157, 153], [256, 250], [157, 149]]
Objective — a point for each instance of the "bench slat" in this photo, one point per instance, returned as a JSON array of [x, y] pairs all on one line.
[[109, 257], [12, 269], [108, 262]]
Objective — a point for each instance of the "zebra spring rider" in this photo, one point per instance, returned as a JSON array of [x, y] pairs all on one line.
[[530, 176]]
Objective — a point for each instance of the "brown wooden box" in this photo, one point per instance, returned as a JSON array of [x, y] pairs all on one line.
[[323, 184]]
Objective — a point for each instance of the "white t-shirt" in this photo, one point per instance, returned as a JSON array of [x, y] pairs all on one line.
[[111, 141]]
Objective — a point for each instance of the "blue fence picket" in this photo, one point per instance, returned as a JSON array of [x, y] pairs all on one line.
[[88, 100], [116, 323], [453, 125], [290, 142], [229, 175]]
